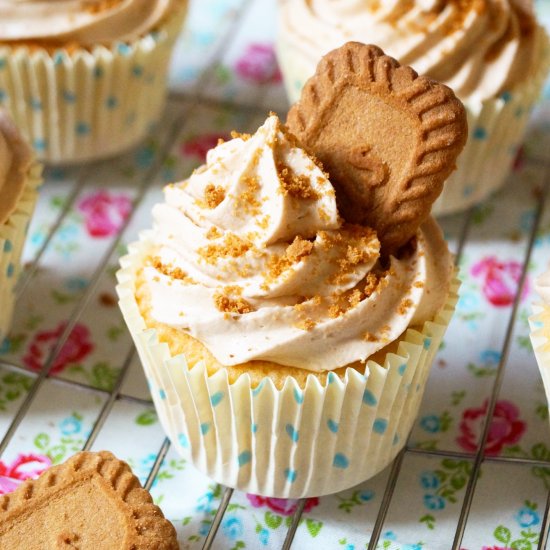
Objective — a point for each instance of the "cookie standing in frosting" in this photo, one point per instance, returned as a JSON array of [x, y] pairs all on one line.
[[252, 259], [85, 22], [480, 48]]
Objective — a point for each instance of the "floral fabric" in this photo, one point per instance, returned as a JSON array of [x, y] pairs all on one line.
[[63, 298]]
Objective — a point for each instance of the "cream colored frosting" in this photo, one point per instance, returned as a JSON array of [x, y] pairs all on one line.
[[542, 286], [87, 22], [251, 258], [15, 161], [480, 48]]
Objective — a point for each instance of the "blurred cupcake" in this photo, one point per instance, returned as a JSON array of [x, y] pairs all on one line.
[[287, 349], [85, 80], [540, 329], [19, 180], [493, 55]]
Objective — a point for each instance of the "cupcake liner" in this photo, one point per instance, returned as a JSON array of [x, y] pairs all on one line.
[[12, 238], [288, 443], [496, 130], [75, 106], [540, 323]]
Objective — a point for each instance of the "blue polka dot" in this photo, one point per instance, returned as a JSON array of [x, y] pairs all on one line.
[[427, 343], [124, 49], [36, 104], [58, 58], [162, 394], [3, 95], [40, 144], [299, 396], [291, 475], [2, 63], [257, 390], [137, 70], [99, 72], [11, 270], [244, 458], [340, 461], [183, 441], [82, 128], [331, 378], [380, 425], [332, 425], [111, 102], [205, 428], [254, 427], [298, 85], [8, 246], [69, 97], [402, 368], [369, 398], [506, 96], [480, 133], [292, 432], [216, 398]]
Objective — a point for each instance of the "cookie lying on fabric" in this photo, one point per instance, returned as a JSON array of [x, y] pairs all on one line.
[[91, 502], [387, 137]]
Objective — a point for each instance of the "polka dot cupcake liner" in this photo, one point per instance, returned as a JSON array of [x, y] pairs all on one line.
[[288, 443], [80, 105], [12, 238], [540, 330], [496, 130]]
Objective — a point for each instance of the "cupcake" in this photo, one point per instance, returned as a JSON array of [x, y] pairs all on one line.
[[85, 80], [493, 54], [287, 342], [540, 328], [19, 180]]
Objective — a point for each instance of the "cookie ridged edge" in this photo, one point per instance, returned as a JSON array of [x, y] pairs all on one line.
[[441, 117], [151, 527]]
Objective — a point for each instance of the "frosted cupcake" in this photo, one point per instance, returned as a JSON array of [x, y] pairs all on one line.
[[493, 54], [19, 180], [540, 328], [287, 349], [85, 80]]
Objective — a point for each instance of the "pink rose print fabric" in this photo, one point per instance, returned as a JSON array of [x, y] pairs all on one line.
[[500, 280], [258, 64], [25, 466], [104, 212], [506, 428], [77, 347], [285, 507], [198, 146]]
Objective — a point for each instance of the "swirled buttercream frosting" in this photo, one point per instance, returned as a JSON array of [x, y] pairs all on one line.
[[251, 258], [15, 161], [86, 22], [480, 48]]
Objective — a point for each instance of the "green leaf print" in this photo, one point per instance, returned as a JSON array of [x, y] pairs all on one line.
[[521, 545], [104, 375], [314, 526], [273, 521], [13, 386], [429, 520], [147, 418], [42, 441], [503, 534]]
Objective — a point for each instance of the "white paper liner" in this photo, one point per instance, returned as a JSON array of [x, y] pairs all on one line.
[[540, 328], [12, 238], [496, 131], [82, 105], [287, 443]]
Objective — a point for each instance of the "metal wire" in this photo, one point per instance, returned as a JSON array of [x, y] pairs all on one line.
[[190, 100]]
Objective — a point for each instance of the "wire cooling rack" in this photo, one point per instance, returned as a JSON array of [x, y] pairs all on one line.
[[204, 98]]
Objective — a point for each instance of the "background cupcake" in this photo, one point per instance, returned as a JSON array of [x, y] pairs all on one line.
[[540, 329], [19, 179], [85, 80], [287, 353], [494, 56]]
